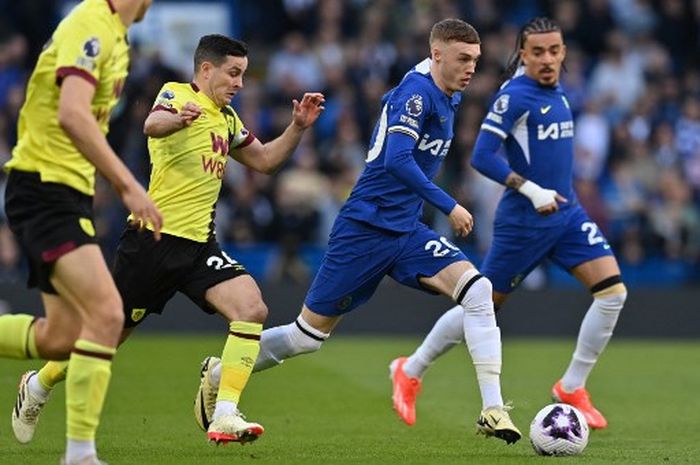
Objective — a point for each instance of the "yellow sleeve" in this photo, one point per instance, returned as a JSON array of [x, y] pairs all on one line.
[[170, 98], [83, 49], [238, 134]]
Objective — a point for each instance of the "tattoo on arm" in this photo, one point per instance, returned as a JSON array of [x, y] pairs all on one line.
[[514, 181]]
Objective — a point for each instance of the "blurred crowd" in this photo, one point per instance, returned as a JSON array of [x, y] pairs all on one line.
[[632, 77]]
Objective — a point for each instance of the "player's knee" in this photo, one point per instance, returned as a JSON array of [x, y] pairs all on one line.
[[474, 292], [610, 293], [112, 318], [56, 346], [255, 311], [106, 316], [478, 297]]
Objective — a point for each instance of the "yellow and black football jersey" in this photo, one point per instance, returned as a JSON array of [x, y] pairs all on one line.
[[188, 165], [91, 43]]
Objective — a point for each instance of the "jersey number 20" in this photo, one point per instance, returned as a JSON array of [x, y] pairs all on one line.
[[440, 248], [594, 236], [219, 263]]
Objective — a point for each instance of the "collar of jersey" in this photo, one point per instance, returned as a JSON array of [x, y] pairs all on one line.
[[204, 98], [116, 19], [454, 100], [533, 82]]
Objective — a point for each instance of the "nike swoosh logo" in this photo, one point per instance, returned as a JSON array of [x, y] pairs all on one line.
[[495, 422], [544, 110]]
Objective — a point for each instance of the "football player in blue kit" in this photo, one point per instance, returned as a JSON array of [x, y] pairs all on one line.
[[538, 217], [378, 231]]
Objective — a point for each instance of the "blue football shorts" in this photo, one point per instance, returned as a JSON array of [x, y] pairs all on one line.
[[360, 255], [517, 249]]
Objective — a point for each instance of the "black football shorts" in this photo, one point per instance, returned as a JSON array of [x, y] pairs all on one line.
[[149, 272], [49, 220]]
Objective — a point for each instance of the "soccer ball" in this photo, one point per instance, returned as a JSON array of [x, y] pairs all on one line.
[[559, 429]]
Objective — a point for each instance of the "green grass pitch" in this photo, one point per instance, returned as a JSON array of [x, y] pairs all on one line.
[[334, 407]]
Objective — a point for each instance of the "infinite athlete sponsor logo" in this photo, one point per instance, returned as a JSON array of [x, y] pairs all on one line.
[[437, 147], [555, 131]]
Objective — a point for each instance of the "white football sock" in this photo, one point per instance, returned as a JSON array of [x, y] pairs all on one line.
[[77, 450], [224, 407], [37, 389], [483, 340], [596, 329], [447, 332], [282, 342]]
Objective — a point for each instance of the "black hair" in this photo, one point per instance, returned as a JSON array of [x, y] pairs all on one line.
[[538, 25], [214, 48]]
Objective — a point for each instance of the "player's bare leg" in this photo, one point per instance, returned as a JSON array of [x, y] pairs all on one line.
[[55, 335], [277, 344], [240, 301], [84, 283]]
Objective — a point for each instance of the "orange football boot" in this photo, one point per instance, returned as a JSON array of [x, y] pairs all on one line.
[[582, 401], [406, 389]]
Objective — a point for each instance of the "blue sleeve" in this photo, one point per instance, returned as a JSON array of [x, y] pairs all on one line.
[[506, 110], [399, 162], [486, 159]]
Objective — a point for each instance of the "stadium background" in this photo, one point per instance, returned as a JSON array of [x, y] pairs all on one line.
[[634, 79], [632, 75]]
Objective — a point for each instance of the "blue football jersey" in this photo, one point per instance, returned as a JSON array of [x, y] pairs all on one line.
[[537, 127], [419, 109]]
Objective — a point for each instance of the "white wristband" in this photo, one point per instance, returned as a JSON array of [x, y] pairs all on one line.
[[537, 195]]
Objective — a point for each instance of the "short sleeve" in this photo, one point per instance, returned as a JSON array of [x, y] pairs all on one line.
[[239, 136], [82, 49], [169, 99]]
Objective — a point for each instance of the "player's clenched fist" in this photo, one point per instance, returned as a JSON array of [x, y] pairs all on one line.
[[190, 112], [461, 221]]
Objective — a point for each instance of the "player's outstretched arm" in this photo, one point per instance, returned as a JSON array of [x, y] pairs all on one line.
[[267, 158], [162, 123], [76, 119]]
